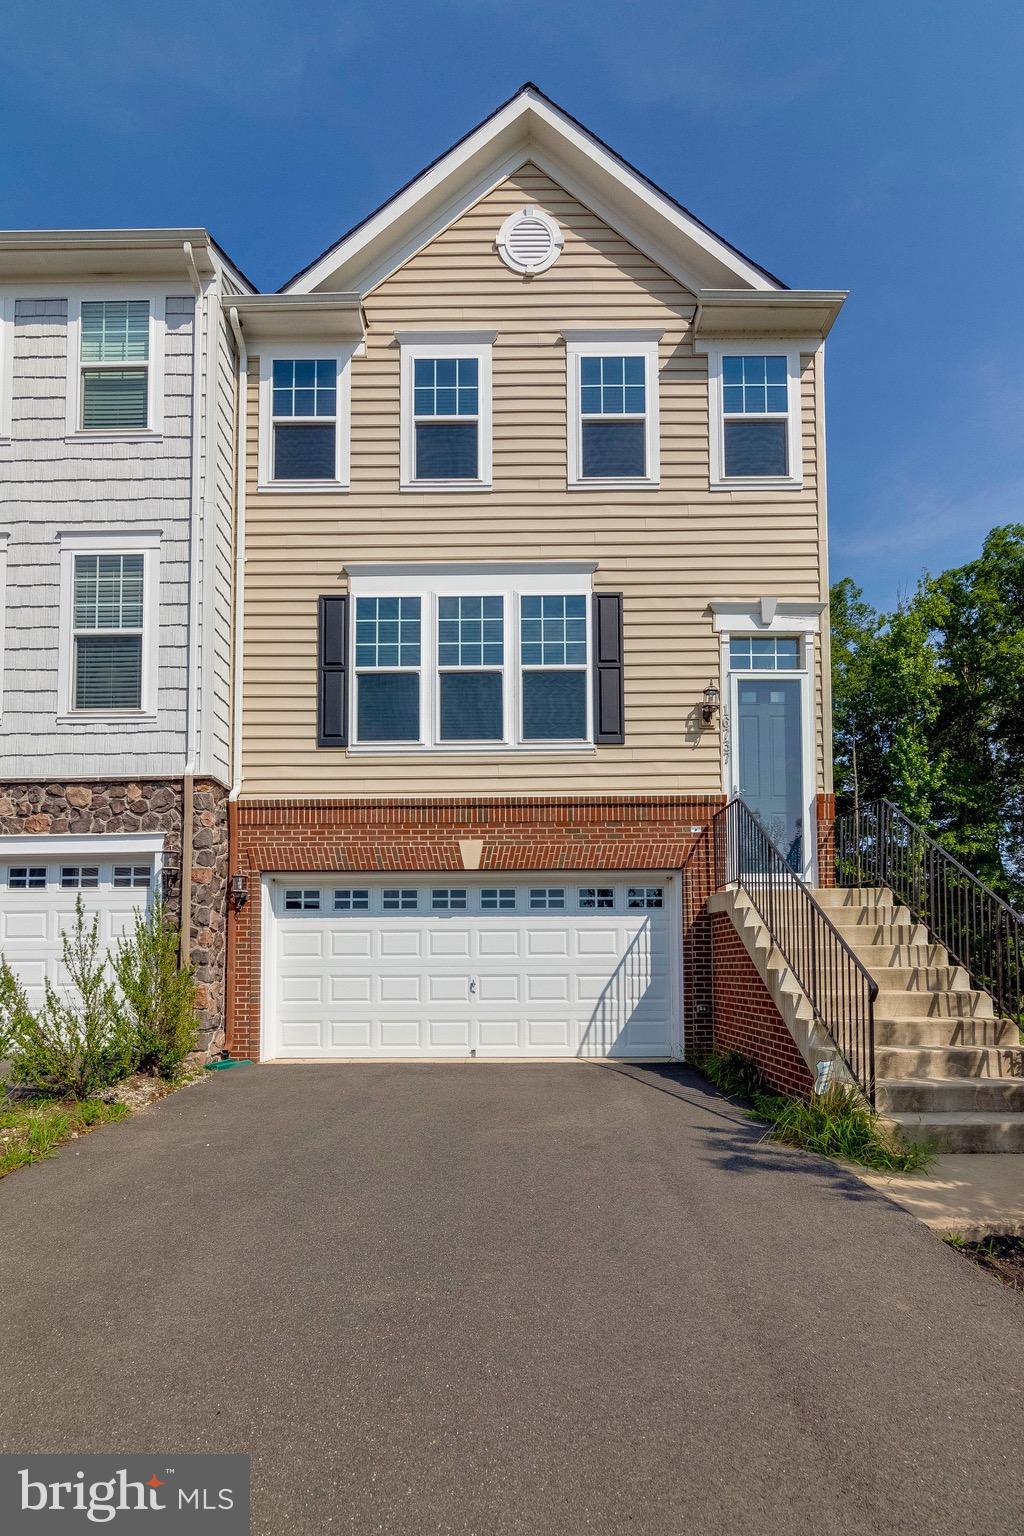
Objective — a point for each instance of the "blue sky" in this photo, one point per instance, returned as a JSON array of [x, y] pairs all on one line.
[[875, 147]]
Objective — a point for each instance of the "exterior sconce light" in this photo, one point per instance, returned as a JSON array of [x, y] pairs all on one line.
[[170, 865], [239, 891], [711, 705]]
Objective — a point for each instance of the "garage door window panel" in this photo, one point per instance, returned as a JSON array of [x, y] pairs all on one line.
[[351, 901], [30, 877]]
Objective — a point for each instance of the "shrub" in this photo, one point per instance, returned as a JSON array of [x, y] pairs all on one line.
[[78, 1042], [14, 1009], [157, 997]]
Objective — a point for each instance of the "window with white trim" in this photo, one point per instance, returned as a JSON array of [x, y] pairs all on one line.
[[436, 667], [449, 899], [764, 653], [592, 897], [549, 898], [446, 413], [114, 363], [79, 877], [6, 363], [27, 877], [403, 900], [754, 415], [304, 402], [387, 653], [553, 656], [133, 876], [302, 901], [645, 896], [351, 901], [613, 410], [108, 628], [498, 898]]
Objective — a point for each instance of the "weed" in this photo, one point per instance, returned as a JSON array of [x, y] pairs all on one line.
[[37, 1127]]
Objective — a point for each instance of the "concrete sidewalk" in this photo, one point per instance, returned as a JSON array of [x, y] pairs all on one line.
[[972, 1194]]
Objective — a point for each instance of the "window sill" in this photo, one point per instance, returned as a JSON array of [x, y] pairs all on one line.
[[286, 487], [431, 486], [128, 436], [106, 717], [615, 483], [467, 749], [758, 483]]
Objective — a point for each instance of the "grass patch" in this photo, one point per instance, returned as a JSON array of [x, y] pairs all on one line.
[[833, 1124], [35, 1128], [1002, 1255]]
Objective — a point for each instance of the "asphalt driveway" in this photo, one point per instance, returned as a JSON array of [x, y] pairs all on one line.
[[506, 1299]]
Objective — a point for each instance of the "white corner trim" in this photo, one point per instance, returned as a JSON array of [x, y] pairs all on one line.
[[417, 344], [109, 541], [715, 351], [4, 536], [765, 615], [101, 845], [340, 354], [6, 364], [154, 364], [591, 343]]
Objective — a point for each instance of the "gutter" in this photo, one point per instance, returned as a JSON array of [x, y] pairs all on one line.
[[197, 527]]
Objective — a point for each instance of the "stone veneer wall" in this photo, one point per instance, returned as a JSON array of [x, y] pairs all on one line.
[[92, 808]]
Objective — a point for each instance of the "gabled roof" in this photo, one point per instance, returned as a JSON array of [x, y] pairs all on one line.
[[532, 127]]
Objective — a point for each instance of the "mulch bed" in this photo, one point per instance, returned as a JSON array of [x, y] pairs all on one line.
[[1002, 1257]]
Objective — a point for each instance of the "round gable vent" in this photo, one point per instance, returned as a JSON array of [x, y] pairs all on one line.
[[529, 241]]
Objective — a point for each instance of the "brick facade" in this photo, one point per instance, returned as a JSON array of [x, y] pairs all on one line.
[[516, 833], [95, 808], [745, 1017], [826, 839]]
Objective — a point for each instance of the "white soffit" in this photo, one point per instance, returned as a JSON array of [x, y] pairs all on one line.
[[530, 127], [798, 312]]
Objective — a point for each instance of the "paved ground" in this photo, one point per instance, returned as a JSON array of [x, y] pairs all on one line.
[[974, 1194], [506, 1299]]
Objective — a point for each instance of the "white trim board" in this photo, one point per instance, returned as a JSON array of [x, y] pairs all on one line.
[[104, 845]]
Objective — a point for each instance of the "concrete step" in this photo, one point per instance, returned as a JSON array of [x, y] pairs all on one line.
[[885, 957], [902, 1002], [862, 936], [856, 918], [924, 978], [839, 896], [918, 1030], [985, 1062], [963, 1132], [945, 1095]]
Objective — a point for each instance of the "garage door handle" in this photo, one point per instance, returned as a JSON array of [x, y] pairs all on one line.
[[472, 983]]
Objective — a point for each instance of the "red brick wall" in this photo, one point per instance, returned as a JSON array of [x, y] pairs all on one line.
[[826, 839], [745, 1017], [517, 833]]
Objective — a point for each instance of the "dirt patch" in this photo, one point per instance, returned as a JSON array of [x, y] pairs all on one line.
[[140, 1091], [1001, 1256]]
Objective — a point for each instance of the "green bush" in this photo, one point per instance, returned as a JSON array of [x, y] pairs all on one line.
[[157, 997], [14, 1009], [836, 1123], [78, 1043]]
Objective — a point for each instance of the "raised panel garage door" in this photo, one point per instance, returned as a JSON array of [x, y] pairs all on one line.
[[37, 902], [544, 966]]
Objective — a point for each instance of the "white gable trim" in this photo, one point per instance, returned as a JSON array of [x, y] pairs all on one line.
[[530, 128]]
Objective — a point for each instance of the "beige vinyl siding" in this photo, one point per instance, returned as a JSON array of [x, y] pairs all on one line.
[[668, 550]]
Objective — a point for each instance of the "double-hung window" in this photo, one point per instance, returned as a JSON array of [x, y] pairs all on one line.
[[108, 630], [108, 652], [472, 661], [388, 650], [754, 403], [553, 656], [470, 668], [613, 410], [446, 413], [114, 363], [304, 418]]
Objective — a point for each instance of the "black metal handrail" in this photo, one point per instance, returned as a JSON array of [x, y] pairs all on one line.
[[879, 845], [840, 990]]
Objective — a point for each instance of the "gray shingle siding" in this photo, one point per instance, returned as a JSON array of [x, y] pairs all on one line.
[[49, 485]]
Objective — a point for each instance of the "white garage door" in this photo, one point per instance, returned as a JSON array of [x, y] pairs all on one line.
[[545, 966], [37, 901]]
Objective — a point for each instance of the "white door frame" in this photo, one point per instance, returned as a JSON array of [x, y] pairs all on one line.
[[671, 879]]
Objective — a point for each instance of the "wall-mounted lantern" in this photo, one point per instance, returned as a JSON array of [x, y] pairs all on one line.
[[239, 891], [170, 865], [711, 705]]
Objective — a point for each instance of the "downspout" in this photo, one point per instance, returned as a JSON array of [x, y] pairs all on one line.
[[237, 654], [191, 711]]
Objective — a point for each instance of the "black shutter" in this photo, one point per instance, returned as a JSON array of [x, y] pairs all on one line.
[[609, 709], [332, 672]]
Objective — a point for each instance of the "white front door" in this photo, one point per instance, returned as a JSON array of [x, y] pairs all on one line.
[[547, 965]]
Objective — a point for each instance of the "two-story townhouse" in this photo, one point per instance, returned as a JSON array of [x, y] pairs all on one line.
[[118, 384], [535, 577]]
